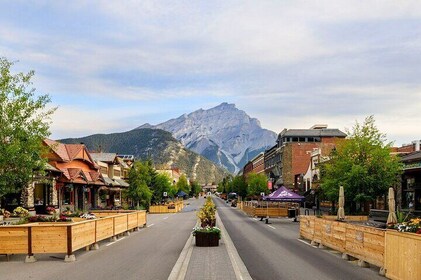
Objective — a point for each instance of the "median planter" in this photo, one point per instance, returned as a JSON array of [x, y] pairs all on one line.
[[207, 239], [207, 234]]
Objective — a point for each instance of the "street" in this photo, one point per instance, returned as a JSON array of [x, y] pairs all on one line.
[[148, 254], [269, 251], [273, 251]]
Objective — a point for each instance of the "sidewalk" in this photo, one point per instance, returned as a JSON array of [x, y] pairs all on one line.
[[209, 263]]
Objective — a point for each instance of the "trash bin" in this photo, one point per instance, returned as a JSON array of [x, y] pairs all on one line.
[[291, 213]]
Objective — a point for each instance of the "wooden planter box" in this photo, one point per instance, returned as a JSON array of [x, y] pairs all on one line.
[[207, 239], [403, 256]]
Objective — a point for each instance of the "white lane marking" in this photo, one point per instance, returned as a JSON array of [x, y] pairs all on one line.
[[165, 218], [115, 241], [150, 225], [305, 242], [256, 219], [271, 227]]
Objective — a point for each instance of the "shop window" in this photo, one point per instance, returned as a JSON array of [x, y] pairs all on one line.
[[67, 195], [410, 183], [408, 200]]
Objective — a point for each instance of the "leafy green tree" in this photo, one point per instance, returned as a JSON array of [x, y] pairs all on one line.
[[182, 184], [195, 188], [239, 186], [362, 164], [161, 183], [139, 180], [24, 123], [257, 183]]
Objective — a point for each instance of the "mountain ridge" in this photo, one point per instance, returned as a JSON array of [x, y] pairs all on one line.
[[224, 134], [157, 144]]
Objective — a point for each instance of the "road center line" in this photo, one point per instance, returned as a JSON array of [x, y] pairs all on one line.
[[150, 225], [271, 227], [165, 218], [115, 241]]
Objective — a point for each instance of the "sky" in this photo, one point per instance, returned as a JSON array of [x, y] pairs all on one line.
[[110, 66]]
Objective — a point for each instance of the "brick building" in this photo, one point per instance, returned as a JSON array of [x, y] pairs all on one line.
[[295, 148], [258, 163]]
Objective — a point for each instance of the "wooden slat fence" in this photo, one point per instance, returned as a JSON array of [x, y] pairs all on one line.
[[64, 237], [396, 253]]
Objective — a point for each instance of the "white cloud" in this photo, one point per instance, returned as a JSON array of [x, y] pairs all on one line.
[[288, 63]]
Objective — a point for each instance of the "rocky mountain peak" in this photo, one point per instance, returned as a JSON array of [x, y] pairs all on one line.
[[223, 134]]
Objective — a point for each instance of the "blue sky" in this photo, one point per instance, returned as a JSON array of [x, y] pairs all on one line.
[[111, 66]]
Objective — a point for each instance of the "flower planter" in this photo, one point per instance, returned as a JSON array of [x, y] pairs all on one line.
[[207, 239]]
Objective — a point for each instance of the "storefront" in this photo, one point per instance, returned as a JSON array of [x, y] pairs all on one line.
[[411, 182]]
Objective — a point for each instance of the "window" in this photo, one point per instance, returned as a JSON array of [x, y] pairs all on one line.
[[103, 170], [67, 196]]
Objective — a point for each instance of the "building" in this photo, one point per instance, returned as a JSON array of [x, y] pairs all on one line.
[[272, 158], [114, 170], [173, 173], [409, 195], [247, 169], [258, 163], [295, 151], [79, 180]]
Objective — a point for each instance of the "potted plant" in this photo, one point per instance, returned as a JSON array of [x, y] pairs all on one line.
[[207, 234]]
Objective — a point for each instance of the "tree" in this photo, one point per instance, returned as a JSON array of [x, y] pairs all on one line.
[[139, 180], [362, 164], [257, 183], [240, 186], [195, 188], [24, 124], [161, 183], [182, 184]]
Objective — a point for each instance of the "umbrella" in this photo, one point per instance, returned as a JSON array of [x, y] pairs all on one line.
[[391, 219], [341, 211]]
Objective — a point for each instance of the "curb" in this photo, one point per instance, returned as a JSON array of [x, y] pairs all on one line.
[[179, 270], [238, 265]]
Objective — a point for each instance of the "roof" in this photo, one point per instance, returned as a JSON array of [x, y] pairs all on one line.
[[66, 152], [104, 157], [49, 167], [127, 157], [122, 182], [324, 132], [412, 156], [110, 182]]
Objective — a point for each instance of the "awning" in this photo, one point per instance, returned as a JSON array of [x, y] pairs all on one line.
[[284, 195], [122, 183], [279, 182], [108, 181]]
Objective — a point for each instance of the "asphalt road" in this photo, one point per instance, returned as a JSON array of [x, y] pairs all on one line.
[[274, 251], [148, 254]]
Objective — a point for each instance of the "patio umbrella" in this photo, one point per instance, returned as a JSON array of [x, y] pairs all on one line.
[[391, 219], [341, 211]]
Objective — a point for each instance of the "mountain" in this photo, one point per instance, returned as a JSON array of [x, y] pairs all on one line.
[[160, 146], [223, 134]]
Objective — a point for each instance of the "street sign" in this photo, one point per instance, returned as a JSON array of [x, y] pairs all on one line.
[[262, 194], [165, 194]]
